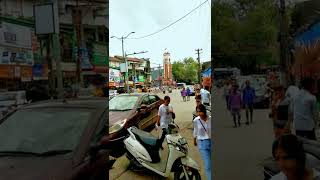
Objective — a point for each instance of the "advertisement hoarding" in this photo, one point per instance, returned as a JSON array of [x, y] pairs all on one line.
[[114, 75]]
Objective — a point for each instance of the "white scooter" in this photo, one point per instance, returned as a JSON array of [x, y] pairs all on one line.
[[143, 152]]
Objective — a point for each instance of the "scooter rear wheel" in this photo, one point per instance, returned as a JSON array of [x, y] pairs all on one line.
[[193, 174]]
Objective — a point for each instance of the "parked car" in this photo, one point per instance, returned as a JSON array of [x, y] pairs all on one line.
[[54, 140], [126, 110]]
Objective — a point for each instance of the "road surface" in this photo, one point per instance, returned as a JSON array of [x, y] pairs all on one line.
[[238, 152], [183, 112]]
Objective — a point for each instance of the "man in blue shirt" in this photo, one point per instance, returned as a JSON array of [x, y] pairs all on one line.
[[248, 100]]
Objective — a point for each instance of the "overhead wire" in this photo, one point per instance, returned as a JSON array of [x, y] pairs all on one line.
[[171, 23]]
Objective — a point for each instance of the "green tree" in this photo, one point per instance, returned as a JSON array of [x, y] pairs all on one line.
[[178, 71], [185, 70], [244, 33]]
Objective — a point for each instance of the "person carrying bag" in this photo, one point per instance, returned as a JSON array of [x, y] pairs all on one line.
[[202, 137]]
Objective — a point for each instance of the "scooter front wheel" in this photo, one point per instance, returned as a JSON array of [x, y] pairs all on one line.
[[193, 174]]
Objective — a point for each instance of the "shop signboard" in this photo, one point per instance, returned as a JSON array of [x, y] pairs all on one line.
[[123, 67], [13, 35], [141, 78], [114, 75], [40, 72], [16, 56], [100, 55], [6, 71], [26, 73]]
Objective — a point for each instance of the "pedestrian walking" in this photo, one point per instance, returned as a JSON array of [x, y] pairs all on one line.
[[188, 93], [291, 93], [248, 99], [165, 117], [235, 103], [205, 96], [226, 92], [280, 111], [290, 156], [305, 111], [202, 137], [183, 94], [198, 102], [197, 92]]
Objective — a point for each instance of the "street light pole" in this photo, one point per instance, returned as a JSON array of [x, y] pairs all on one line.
[[125, 59], [199, 64]]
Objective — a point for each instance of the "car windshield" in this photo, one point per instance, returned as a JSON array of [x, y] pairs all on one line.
[[122, 103], [43, 130]]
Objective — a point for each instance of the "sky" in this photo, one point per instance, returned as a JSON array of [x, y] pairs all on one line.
[[145, 17]]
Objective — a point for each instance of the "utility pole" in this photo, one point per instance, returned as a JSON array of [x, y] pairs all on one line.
[[160, 84], [124, 57], [199, 64], [77, 18], [49, 61], [57, 54], [134, 74], [127, 69], [283, 43]]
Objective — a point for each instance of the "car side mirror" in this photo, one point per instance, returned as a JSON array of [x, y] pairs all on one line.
[[142, 107]]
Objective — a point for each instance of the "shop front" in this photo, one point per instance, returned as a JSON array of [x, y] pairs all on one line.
[[15, 77]]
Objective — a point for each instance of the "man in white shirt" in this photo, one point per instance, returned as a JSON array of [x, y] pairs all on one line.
[[164, 118], [304, 111], [205, 96]]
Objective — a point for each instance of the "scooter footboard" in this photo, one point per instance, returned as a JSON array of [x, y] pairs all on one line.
[[187, 161]]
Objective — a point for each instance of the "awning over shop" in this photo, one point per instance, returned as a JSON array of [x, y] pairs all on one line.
[[207, 73]]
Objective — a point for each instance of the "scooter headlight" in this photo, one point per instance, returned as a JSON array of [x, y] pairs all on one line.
[[117, 127]]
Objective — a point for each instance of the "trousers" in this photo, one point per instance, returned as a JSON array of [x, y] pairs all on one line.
[[205, 151]]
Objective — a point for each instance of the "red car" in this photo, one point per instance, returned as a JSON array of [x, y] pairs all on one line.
[[54, 140], [128, 110]]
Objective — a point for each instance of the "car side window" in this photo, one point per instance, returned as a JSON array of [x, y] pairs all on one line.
[[153, 99], [145, 100]]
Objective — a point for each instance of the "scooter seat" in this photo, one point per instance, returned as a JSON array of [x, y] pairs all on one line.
[[145, 137]]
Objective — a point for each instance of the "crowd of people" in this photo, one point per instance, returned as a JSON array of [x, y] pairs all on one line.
[[295, 115], [237, 99]]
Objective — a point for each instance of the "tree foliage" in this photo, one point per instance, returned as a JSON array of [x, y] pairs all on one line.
[[244, 33], [185, 70]]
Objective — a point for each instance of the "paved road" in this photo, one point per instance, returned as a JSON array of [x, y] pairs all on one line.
[[238, 152], [184, 120]]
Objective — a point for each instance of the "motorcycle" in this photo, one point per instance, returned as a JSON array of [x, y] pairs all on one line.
[[144, 153], [312, 150]]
